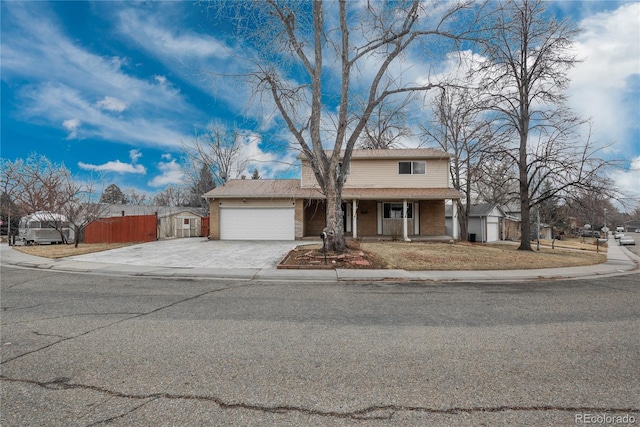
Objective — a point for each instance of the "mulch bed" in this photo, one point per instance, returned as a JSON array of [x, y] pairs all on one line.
[[304, 257]]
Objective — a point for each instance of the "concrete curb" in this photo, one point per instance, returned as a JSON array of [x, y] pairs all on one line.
[[619, 261]]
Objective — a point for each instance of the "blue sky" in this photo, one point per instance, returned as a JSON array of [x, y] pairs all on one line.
[[117, 87]]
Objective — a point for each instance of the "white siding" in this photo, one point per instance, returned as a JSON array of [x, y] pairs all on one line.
[[376, 173]]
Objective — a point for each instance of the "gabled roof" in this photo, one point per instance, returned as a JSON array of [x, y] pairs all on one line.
[[478, 210], [263, 188], [290, 188], [394, 153]]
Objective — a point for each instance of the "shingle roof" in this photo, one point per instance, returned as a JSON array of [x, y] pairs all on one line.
[[478, 210], [290, 188], [273, 188], [395, 153]]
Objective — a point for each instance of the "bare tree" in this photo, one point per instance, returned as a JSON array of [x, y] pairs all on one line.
[[386, 126], [497, 181], [49, 189], [460, 128], [11, 179], [40, 189], [172, 195], [81, 208], [135, 197], [220, 150], [311, 57], [528, 54]]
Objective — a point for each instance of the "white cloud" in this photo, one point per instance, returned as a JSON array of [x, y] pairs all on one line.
[[171, 173], [627, 181], [114, 166], [56, 102], [75, 78], [271, 162], [72, 126], [154, 33], [601, 85], [134, 155], [110, 103]]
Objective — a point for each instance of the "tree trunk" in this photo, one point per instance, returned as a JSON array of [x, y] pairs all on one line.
[[525, 237], [463, 220], [76, 237], [335, 221]]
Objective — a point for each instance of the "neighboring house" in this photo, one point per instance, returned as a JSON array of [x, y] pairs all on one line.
[[512, 225], [632, 226], [380, 186], [486, 222], [172, 221]]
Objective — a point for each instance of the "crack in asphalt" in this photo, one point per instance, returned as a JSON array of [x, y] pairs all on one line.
[[39, 319], [7, 308], [374, 412], [26, 281], [40, 334], [124, 414], [121, 321]]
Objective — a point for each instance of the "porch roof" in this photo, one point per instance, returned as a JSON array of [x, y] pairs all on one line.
[[290, 188]]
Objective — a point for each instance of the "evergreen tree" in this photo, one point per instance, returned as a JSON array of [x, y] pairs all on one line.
[[255, 175], [113, 195], [205, 183]]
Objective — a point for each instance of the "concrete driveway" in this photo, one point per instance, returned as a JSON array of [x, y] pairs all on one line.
[[197, 253]]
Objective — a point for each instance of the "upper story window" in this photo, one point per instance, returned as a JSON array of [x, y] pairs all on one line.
[[412, 168]]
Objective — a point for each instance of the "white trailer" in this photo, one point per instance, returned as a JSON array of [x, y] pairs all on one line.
[[44, 228]]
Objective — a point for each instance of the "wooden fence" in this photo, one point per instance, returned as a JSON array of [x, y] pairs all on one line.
[[205, 227], [122, 229]]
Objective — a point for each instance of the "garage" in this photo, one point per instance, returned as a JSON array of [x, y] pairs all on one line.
[[257, 223], [493, 229]]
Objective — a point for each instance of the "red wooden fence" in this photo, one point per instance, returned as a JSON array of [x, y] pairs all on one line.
[[205, 227], [122, 229]]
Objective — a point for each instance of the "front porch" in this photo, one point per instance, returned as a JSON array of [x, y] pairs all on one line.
[[422, 220]]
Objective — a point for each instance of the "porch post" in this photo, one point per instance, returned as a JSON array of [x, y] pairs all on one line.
[[354, 216], [454, 220], [405, 227]]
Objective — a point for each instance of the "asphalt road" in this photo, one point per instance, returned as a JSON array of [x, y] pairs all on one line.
[[85, 350], [634, 248]]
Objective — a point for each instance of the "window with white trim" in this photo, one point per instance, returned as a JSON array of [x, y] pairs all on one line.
[[394, 211], [416, 167]]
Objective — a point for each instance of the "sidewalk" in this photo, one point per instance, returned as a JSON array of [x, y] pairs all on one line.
[[619, 261]]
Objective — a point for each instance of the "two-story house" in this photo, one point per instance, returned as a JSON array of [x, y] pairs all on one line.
[[397, 193]]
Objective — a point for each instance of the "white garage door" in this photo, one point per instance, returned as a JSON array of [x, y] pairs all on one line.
[[257, 224], [493, 232]]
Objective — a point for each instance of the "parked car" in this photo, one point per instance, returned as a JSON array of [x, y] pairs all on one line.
[[589, 233], [637, 230], [627, 241], [617, 235]]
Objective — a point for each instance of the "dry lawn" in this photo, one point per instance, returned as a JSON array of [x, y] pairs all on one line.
[[61, 251], [465, 256], [584, 244]]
